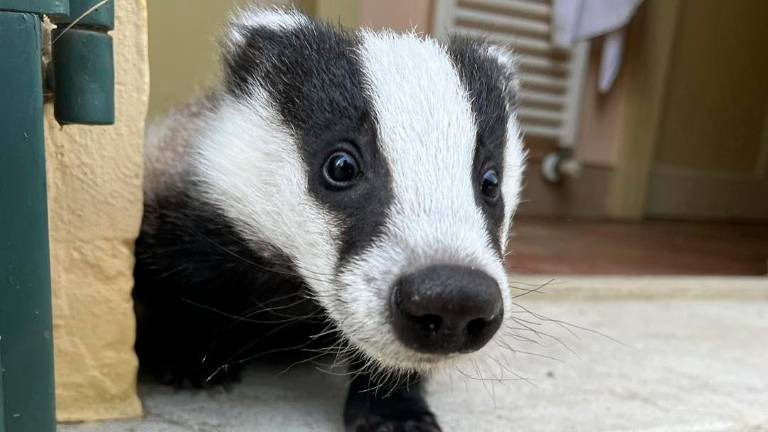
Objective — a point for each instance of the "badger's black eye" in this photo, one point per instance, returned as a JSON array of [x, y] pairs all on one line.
[[490, 184], [341, 169]]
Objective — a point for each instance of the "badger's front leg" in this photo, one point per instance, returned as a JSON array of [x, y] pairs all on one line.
[[387, 409]]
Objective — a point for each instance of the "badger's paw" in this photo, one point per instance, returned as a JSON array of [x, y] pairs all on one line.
[[399, 409], [404, 421]]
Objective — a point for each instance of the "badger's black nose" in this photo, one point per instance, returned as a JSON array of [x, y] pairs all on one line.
[[446, 309]]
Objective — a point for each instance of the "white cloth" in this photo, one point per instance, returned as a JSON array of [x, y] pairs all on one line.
[[577, 20]]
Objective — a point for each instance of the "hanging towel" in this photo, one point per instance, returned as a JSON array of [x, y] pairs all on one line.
[[577, 20]]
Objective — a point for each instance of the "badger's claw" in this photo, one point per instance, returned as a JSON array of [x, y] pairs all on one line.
[[399, 409]]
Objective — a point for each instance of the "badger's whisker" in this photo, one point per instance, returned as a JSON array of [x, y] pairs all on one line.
[[483, 381], [394, 385], [503, 367], [329, 329], [263, 308], [568, 326], [254, 311], [229, 362], [316, 276], [299, 293], [473, 378], [300, 362], [533, 354], [521, 338], [341, 353], [253, 357], [516, 283], [541, 335], [536, 290], [335, 373]]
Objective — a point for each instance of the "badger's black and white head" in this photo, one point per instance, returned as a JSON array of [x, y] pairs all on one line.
[[386, 166]]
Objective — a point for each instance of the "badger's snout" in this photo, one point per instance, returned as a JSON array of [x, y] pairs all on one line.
[[445, 309]]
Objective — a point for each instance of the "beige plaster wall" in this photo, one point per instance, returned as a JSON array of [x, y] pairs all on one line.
[[95, 205], [398, 15], [183, 47], [344, 12]]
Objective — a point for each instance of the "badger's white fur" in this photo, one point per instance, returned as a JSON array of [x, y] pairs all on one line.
[[427, 135], [427, 130], [264, 188]]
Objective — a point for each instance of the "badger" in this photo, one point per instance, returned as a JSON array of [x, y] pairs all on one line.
[[340, 192]]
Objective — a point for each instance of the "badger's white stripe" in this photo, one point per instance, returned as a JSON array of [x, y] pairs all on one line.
[[251, 168], [427, 133], [514, 166], [514, 153]]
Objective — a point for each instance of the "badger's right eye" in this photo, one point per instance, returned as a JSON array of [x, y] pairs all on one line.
[[341, 169]]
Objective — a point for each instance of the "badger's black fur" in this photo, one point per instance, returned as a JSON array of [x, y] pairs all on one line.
[[247, 249], [202, 296]]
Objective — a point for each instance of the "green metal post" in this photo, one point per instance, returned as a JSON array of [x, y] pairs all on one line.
[[2, 404], [26, 349], [48, 7], [83, 65]]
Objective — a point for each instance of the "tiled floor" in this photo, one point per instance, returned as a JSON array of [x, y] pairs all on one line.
[[542, 246]]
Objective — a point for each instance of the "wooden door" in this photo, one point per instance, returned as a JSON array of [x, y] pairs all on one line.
[[711, 156]]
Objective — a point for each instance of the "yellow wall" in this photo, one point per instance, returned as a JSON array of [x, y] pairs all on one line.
[[398, 15], [344, 12], [95, 205], [183, 48]]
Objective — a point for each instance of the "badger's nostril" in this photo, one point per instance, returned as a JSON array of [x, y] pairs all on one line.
[[429, 323], [476, 326]]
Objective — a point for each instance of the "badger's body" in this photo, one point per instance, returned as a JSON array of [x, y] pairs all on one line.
[[350, 191]]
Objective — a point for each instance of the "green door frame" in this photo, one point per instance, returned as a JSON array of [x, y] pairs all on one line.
[[26, 348], [84, 94]]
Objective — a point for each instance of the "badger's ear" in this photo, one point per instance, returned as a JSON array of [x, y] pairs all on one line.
[[485, 60], [245, 22], [509, 62], [255, 46]]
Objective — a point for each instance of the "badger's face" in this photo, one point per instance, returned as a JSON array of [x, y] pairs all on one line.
[[386, 167]]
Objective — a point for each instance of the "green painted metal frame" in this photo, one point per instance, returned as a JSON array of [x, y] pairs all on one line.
[[86, 90], [27, 399], [84, 72], [2, 404], [83, 65], [48, 7], [103, 17], [25, 289]]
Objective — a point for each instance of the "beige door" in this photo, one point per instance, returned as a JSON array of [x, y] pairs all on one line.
[[711, 157]]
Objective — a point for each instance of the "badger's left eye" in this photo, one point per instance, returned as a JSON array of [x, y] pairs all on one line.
[[340, 169], [490, 184]]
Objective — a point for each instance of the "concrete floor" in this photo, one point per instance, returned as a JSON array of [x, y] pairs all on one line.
[[682, 365]]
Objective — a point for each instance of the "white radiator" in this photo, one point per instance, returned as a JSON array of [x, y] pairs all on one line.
[[552, 78]]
